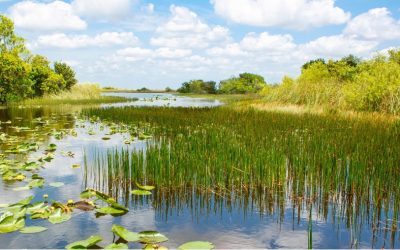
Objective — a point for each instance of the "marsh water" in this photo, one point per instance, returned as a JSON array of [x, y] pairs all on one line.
[[232, 220]]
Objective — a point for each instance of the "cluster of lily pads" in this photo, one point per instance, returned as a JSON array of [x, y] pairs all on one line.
[[15, 170]]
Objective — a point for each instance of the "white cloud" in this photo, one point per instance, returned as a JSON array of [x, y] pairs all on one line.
[[186, 29], [376, 24], [337, 46], [103, 9], [61, 40], [56, 15], [269, 42], [297, 14], [139, 54]]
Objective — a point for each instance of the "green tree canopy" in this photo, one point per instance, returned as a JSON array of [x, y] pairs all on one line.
[[67, 72], [245, 83]]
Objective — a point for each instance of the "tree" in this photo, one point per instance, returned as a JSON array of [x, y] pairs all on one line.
[[67, 72], [15, 84], [245, 83], [39, 73], [311, 62], [9, 41], [198, 87]]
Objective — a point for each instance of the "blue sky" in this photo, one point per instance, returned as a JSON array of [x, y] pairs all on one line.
[[136, 43]]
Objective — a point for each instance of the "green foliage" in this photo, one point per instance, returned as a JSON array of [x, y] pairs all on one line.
[[22, 75], [198, 87], [244, 84], [67, 72], [348, 83]]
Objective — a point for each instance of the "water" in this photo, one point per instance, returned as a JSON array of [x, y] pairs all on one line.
[[163, 100], [227, 225]]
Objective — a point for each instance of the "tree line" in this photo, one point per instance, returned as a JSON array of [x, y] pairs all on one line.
[[24, 75], [245, 83]]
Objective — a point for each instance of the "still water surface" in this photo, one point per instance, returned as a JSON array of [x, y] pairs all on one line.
[[227, 226]]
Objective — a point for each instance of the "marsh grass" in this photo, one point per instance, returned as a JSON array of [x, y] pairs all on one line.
[[79, 94], [220, 157]]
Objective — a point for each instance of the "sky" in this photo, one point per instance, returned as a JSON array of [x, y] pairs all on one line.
[[155, 44]]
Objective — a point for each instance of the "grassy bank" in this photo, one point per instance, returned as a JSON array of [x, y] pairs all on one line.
[[79, 94]]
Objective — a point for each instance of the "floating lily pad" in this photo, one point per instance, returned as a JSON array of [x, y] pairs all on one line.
[[196, 245], [76, 166], [10, 223], [140, 192], [56, 184], [151, 237], [32, 230], [85, 244], [59, 217], [84, 205], [18, 189], [106, 138], [110, 210], [36, 183], [117, 246], [147, 188], [125, 233]]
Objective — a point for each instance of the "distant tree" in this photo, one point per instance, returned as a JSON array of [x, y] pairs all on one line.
[[143, 90], [311, 62], [394, 55], [168, 89], [351, 60], [67, 72], [245, 83], [198, 87]]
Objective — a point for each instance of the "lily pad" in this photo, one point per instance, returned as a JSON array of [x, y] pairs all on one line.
[[85, 244], [125, 233], [9, 223], [76, 166], [152, 237], [18, 189], [140, 192], [59, 217], [106, 138], [36, 183], [56, 184], [147, 188], [32, 230], [110, 210], [196, 245], [117, 246]]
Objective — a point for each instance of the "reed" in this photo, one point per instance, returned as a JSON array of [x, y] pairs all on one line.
[[214, 158]]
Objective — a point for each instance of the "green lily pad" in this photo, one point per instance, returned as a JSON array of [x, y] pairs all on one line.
[[151, 237], [32, 230], [147, 188], [125, 233], [36, 183], [196, 245], [76, 166], [9, 223], [18, 189], [106, 138], [85, 244], [140, 192], [56, 184], [110, 210], [117, 246], [59, 217]]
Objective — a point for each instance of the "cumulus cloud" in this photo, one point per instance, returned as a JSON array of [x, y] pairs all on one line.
[[337, 46], [139, 54], [103, 9], [376, 24], [61, 40], [185, 29], [296, 14], [38, 16]]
